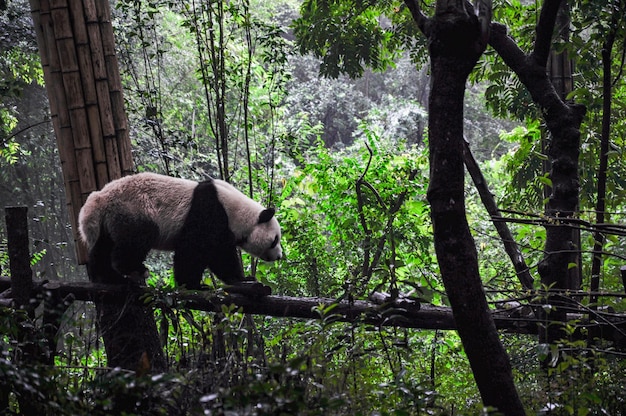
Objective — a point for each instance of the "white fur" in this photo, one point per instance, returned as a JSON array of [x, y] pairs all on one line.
[[163, 199], [243, 217]]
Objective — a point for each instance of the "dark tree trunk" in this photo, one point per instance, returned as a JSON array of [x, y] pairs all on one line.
[[130, 335], [21, 285], [19, 257], [456, 43], [563, 121], [560, 69]]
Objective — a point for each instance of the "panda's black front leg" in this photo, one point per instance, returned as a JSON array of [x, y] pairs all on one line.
[[225, 263], [191, 258], [188, 269]]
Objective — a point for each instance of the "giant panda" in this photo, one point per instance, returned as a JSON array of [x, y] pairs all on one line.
[[202, 222]]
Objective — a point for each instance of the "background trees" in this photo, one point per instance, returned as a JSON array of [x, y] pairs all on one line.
[[253, 110]]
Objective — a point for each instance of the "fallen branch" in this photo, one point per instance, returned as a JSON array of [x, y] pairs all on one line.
[[403, 313]]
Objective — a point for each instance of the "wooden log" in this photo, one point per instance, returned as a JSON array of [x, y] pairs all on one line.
[[249, 288], [103, 16], [57, 4], [127, 165], [78, 22], [106, 113], [74, 193], [514, 320], [113, 157], [424, 317], [124, 159], [69, 63], [83, 53], [89, 10], [61, 20], [97, 54]]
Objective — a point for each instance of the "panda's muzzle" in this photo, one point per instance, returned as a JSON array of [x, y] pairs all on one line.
[[269, 257]]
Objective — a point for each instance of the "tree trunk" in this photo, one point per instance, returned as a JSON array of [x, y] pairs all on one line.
[[560, 70], [563, 121], [456, 43], [130, 334], [77, 49], [605, 136]]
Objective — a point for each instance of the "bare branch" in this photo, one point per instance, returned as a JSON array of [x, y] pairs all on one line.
[[510, 246]]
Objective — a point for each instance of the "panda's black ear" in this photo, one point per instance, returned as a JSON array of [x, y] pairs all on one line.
[[266, 215]]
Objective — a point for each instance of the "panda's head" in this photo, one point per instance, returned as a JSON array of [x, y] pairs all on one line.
[[263, 241], [255, 228]]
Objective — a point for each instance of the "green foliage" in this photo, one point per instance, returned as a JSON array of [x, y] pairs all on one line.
[[348, 37], [525, 168], [330, 241], [10, 151], [19, 67]]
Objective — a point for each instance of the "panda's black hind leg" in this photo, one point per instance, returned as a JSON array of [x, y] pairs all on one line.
[[130, 249], [99, 262]]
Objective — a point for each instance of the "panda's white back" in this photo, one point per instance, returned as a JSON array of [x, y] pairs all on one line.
[[163, 199]]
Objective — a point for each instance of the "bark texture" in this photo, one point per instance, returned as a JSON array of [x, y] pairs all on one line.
[[455, 44]]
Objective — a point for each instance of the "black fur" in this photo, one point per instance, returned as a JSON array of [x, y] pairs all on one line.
[[266, 215], [99, 262], [206, 241], [114, 257]]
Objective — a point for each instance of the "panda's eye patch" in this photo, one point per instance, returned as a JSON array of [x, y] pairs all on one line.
[[275, 242]]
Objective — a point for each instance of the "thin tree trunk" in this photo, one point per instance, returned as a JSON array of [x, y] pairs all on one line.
[[607, 48], [510, 246]]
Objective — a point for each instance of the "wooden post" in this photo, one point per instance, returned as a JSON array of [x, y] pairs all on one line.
[[19, 257], [129, 332], [22, 287]]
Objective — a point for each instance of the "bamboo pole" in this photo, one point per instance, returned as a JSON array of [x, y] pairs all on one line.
[[77, 49]]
